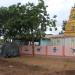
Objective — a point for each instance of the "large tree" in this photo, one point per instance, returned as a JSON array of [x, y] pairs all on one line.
[[23, 20], [27, 21]]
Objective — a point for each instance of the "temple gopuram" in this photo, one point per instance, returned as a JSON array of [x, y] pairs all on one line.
[[70, 26]]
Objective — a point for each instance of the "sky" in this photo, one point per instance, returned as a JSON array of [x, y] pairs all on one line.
[[61, 8]]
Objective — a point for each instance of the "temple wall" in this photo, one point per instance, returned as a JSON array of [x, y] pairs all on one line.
[[55, 50], [58, 47], [69, 50], [25, 50], [40, 50]]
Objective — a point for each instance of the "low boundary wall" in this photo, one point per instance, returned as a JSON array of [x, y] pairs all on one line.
[[48, 50]]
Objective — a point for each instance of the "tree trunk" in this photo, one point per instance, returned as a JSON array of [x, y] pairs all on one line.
[[33, 47]]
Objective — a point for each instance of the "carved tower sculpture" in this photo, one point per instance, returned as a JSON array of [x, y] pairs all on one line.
[[70, 25]]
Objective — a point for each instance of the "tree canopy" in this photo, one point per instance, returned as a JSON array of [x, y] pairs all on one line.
[[26, 21]]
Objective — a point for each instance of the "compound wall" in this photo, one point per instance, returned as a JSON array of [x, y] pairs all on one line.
[[58, 47]]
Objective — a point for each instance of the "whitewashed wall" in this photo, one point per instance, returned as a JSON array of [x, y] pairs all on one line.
[[57, 41], [69, 41]]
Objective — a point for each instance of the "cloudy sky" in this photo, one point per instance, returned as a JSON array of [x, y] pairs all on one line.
[[61, 8]]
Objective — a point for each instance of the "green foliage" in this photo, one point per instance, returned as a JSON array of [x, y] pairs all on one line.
[[63, 27], [27, 21], [64, 23]]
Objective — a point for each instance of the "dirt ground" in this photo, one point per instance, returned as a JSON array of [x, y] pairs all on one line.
[[38, 65]]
